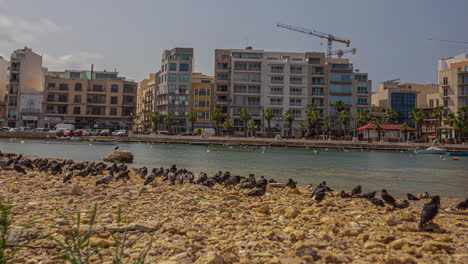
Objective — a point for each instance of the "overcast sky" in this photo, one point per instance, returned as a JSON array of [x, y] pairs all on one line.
[[391, 37]]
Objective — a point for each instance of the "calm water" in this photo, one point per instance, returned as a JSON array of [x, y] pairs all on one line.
[[398, 172]]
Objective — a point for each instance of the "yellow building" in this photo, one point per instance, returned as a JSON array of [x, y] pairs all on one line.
[[146, 103], [202, 98], [453, 81]]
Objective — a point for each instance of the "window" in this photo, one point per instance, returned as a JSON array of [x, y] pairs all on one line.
[[114, 88], [247, 55], [50, 98], [296, 69], [317, 70], [222, 76], [295, 80], [184, 57], [464, 90], [276, 101], [128, 89], [171, 88], [76, 110], [98, 88], [362, 101], [317, 81], [445, 91], [114, 99], [51, 85], [182, 99], [202, 104], [445, 81], [403, 104], [247, 77], [128, 100], [277, 79], [314, 60], [184, 67], [277, 68], [345, 67], [222, 66], [362, 89], [295, 91], [276, 90], [63, 98], [297, 112], [172, 77], [340, 88], [317, 91], [317, 101], [75, 75], [78, 87], [360, 78], [446, 103], [172, 66], [63, 87], [113, 111], [96, 99], [183, 89], [346, 99], [340, 77], [77, 99], [50, 108], [222, 88], [202, 92], [183, 78], [62, 109], [246, 100], [295, 102], [277, 112]]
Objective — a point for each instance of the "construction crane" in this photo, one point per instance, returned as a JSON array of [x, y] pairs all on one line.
[[341, 52], [329, 37]]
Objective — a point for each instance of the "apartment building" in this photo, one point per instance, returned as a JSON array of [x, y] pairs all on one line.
[[404, 97], [146, 103], [25, 92], [4, 83], [257, 79], [89, 99], [173, 92], [202, 98], [453, 82]]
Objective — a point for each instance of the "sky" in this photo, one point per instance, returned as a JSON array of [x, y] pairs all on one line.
[[394, 39]]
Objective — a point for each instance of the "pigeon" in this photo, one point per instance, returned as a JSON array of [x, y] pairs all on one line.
[[462, 205], [150, 177], [343, 194], [172, 177], [262, 182], [291, 184], [106, 179], [318, 196], [19, 168], [368, 196], [259, 191], [83, 173], [388, 198], [356, 191], [190, 177], [68, 176], [412, 197], [180, 179], [429, 211], [403, 204], [377, 202], [116, 148], [124, 175]]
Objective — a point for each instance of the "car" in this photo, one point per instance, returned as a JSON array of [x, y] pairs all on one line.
[[162, 133], [6, 128], [68, 133], [43, 130], [15, 129], [60, 132], [77, 133], [105, 132], [90, 132], [120, 133]]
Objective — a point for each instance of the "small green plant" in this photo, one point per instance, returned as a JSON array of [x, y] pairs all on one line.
[[76, 247], [7, 250]]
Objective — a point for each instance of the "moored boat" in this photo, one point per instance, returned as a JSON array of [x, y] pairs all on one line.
[[431, 150], [457, 153]]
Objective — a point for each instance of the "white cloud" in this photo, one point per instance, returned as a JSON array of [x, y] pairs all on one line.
[[72, 61], [18, 31]]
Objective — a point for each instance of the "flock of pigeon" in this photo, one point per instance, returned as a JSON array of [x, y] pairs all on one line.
[[257, 187]]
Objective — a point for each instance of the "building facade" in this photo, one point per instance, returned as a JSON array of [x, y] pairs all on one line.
[[173, 93], [89, 99], [453, 82], [257, 79], [146, 103], [4, 84], [202, 98], [25, 92]]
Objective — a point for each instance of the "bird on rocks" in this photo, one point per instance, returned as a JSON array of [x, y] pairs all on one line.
[[171, 176], [357, 190], [180, 179], [343, 194], [143, 172], [388, 198], [150, 177], [19, 168], [462, 205], [123, 175], [377, 202], [429, 211], [262, 182], [291, 184], [403, 204], [68, 176], [259, 191], [190, 177], [251, 178], [83, 173], [412, 197], [116, 148], [369, 195], [106, 179], [318, 196]]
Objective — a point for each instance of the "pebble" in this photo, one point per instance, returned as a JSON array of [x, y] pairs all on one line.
[[393, 220], [76, 190]]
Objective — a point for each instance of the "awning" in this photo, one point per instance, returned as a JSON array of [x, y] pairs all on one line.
[[385, 127]]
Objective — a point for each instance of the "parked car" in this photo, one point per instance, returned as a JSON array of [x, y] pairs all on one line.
[[90, 132], [43, 130], [15, 129], [6, 128], [77, 133], [68, 133], [105, 132], [120, 133], [60, 132], [162, 133]]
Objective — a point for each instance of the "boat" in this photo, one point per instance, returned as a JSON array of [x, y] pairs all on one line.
[[199, 143], [103, 142], [431, 150], [457, 153]]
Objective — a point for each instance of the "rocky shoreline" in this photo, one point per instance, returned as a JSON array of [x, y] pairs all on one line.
[[198, 224]]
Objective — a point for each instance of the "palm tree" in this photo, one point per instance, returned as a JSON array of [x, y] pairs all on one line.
[[251, 127], [438, 113], [313, 117], [216, 117], [169, 120], [326, 127], [339, 106], [344, 118], [289, 117], [227, 125], [363, 118], [459, 124], [156, 118], [404, 129], [303, 129], [268, 115], [418, 117], [378, 128], [245, 117], [451, 119], [391, 115], [192, 118]]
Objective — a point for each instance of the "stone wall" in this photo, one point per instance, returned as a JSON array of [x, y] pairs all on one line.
[[37, 135]]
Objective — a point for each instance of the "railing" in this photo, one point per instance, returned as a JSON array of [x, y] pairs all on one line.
[[297, 72], [276, 71], [31, 110], [296, 82], [317, 73], [277, 81]]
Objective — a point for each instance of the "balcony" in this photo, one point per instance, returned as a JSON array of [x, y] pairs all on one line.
[[320, 73], [277, 81], [30, 110], [296, 72], [276, 71]]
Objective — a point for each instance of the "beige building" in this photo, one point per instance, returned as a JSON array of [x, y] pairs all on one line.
[[202, 98], [4, 84], [146, 103], [89, 99], [453, 82]]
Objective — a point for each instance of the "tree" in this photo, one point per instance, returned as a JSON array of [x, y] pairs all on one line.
[[245, 117], [303, 128], [192, 118], [458, 122], [438, 114], [216, 117], [169, 120], [313, 117], [418, 117], [344, 118], [363, 118], [378, 128], [267, 115], [451, 119], [251, 127], [464, 111], [338, 106], [289, 117], [404, 130], [156, 118], [326, 127], [391, 115], [227, 125]]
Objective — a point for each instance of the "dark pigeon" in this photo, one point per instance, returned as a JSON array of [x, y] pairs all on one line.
[[429, 211], [388, 198], [412, 197]]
